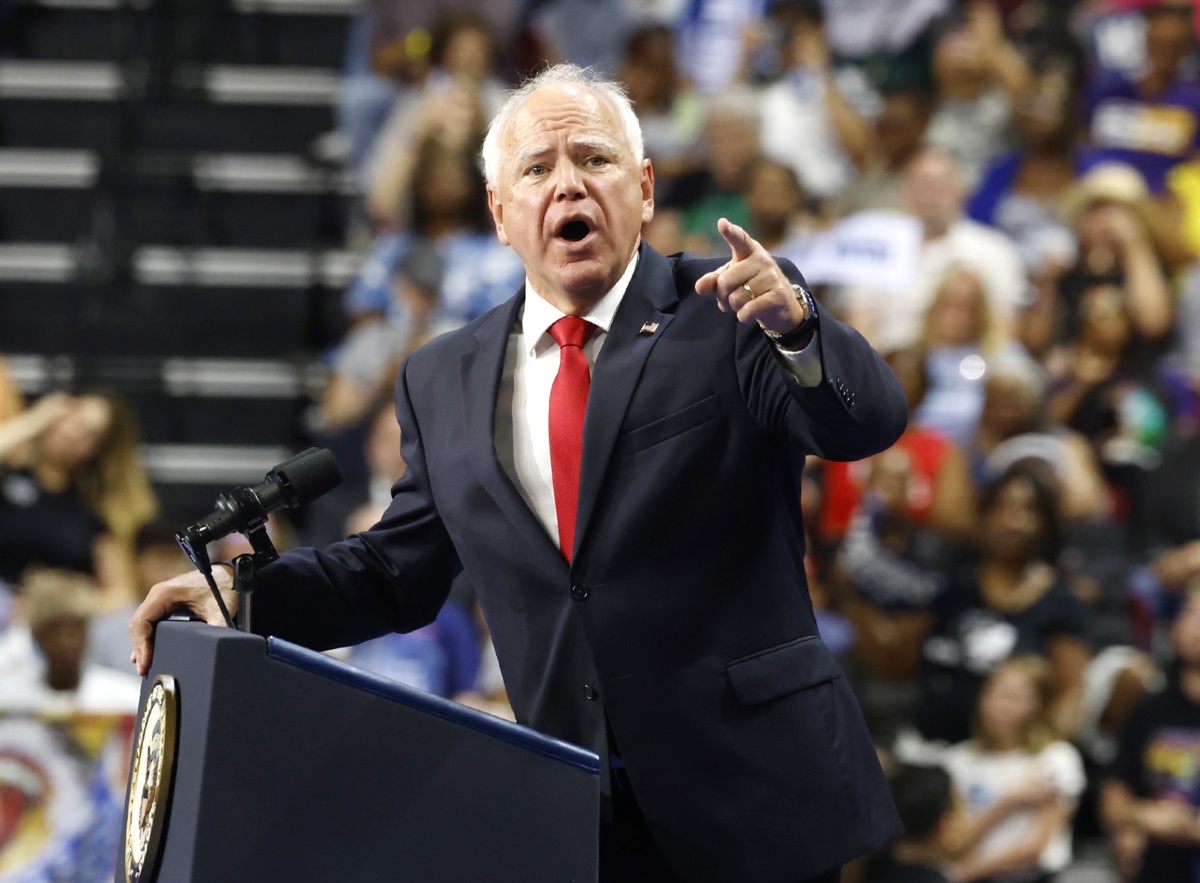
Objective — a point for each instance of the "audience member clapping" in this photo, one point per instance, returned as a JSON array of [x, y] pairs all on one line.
[[1104, 391]]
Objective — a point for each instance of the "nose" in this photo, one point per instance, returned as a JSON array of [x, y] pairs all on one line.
[[568, 182]]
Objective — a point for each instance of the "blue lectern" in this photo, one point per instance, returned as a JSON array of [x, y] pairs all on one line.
[[257, 760]]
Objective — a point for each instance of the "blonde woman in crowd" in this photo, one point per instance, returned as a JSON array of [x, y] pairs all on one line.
[[960, 337], [1018, 782], [72, 492]]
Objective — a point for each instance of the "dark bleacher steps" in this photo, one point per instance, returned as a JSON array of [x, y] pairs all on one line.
[[164, 229]]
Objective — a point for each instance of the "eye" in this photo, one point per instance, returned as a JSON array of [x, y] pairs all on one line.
[[536, 170], [597, 161]]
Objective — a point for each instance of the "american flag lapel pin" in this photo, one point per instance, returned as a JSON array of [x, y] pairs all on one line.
[[648, 328]]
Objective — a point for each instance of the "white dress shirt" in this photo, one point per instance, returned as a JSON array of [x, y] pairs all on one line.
[[522, 427]]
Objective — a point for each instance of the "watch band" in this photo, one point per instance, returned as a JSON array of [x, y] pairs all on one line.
[[800, 336]]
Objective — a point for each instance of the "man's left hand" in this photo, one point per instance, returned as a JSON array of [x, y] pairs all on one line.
[[751, 285]]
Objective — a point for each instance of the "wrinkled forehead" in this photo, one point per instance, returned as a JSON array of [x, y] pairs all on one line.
[[582, 113]]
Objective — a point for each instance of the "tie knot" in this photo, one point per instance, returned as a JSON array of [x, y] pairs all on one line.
[[572, 331]]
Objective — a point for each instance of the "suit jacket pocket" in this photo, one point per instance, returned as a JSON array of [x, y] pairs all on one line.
[[778, 671], [681, 421]]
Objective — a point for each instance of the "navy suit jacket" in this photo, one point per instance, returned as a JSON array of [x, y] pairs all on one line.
[[685, 615]]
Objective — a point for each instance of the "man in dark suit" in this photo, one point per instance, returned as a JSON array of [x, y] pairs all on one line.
[[616, 467]]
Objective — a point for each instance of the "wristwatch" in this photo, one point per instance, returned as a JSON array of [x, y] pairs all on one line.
[[798, 337]]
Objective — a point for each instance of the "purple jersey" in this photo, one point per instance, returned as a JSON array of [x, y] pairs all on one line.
[[1152, 135]]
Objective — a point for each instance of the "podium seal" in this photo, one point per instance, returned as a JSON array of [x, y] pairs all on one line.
[[150, 780]]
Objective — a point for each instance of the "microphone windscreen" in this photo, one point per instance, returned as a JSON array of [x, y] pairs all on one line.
[[308, 475]]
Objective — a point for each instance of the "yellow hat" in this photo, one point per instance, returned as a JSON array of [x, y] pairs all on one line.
[[1107, 182]]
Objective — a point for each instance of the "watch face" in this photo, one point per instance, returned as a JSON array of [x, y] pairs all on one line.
[[150, 780]]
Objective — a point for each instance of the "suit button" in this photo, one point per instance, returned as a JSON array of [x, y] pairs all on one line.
[[580, 592], [591, 692]]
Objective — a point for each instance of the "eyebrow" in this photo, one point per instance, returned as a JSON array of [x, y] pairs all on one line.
[[585, 145], [599, 145]]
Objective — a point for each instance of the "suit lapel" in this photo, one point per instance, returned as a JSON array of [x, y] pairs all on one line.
[[481, 373], [650, 296]]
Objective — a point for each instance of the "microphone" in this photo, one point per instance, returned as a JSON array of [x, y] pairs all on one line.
[[289, 485]]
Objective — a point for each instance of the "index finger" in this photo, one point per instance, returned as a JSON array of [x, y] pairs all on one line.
[[740, 242]]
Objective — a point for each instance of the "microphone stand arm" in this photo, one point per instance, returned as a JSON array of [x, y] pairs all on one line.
[[245, 570]]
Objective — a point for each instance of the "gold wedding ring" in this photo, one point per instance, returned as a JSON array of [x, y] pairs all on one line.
[[749, 290]]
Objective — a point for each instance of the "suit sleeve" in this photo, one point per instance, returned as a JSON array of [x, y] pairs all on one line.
[[858, 409], [393, 577]]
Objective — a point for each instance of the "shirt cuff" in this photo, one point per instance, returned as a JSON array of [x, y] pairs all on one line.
[[804, 365]]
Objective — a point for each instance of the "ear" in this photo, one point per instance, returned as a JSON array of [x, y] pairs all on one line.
[[647, 192], [496, 207]]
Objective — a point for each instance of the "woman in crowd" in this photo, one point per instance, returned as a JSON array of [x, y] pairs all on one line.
[[669, 109], [977, 73], [1012, 427], [1009, 599], [940, 495], [447, 208], [1106, 388], [1119, 244], [1020, 194], [73, 494], [960, 339], [1006, 599], [1017, 781], [889, 570], [453, 104], [780, 211]]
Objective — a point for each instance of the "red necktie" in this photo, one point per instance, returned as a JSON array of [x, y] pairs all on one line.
[[568, 403]]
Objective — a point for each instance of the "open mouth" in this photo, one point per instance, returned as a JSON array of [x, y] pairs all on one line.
[[574, 231]]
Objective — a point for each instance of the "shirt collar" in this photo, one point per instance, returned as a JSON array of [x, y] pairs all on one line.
[[540, 314]]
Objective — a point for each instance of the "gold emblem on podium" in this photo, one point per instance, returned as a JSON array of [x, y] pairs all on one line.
[[150, 780]]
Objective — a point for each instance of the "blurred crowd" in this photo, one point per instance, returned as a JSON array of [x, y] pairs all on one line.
[[1003, 197]]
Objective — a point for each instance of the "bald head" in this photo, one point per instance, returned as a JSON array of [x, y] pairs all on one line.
[[933, 190]]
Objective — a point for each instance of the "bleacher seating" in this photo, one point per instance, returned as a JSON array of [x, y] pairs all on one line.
[[164, 228]]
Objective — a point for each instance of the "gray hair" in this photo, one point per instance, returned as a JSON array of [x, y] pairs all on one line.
[[738, 103], [561, 75]]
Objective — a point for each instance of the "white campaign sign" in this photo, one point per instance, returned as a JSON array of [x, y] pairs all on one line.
[[876, 249]]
